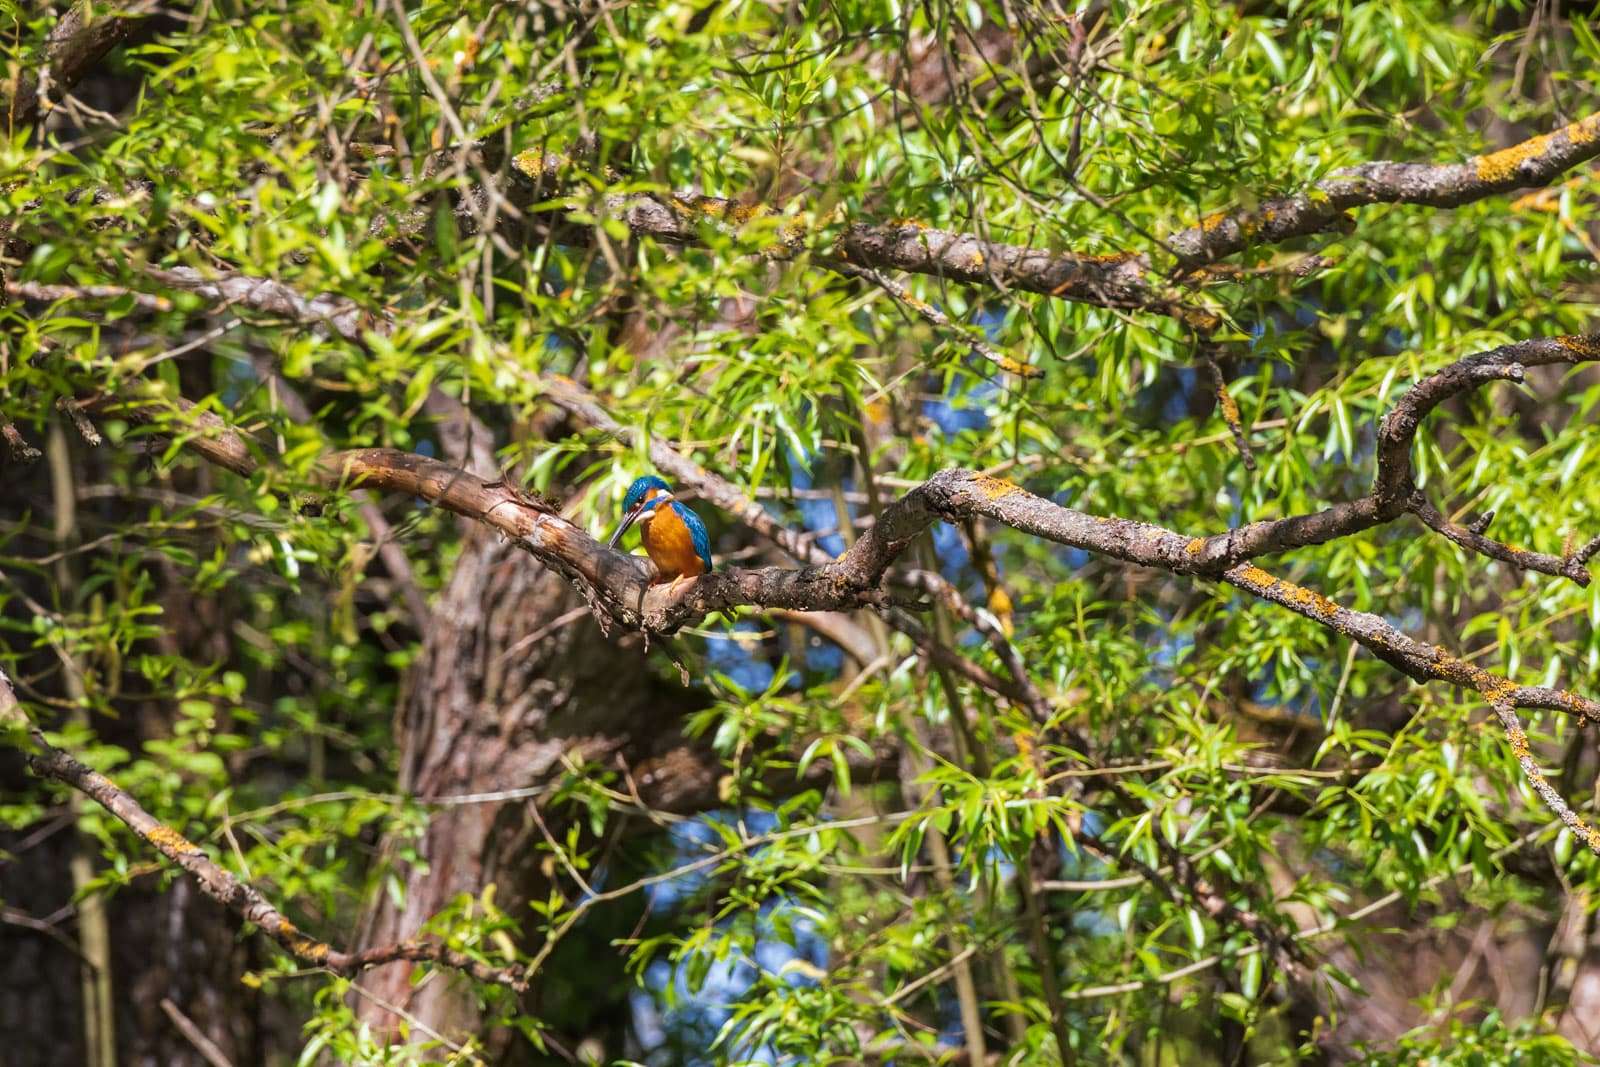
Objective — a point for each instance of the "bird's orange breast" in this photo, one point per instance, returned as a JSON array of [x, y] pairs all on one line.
[[671, 546]]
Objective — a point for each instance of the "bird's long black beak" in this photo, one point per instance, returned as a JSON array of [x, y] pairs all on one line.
[[627, 521]]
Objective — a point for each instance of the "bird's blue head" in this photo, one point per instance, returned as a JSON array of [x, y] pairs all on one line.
[[640, 489], [640, 503]]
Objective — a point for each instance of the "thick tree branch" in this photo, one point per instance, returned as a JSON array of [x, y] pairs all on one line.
[[618, 586], [1127, 280], [77, 42], [1322, 207]]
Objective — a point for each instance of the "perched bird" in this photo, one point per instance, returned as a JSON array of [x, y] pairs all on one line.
[[673, 535]]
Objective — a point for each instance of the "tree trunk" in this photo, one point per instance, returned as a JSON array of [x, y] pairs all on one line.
[[513, 676]]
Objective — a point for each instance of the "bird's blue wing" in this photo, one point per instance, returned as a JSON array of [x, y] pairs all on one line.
[[697, 533]]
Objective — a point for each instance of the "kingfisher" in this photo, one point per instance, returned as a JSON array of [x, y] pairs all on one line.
[[673, 535]]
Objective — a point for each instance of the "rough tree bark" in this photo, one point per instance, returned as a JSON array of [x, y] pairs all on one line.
[[512, 678]]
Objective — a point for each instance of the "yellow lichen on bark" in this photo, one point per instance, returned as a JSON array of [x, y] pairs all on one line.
[[1583, 346], [1498, 166], [536, 162], [1230, 407], [1021, 370], [1519, 742], [1315, 603], [1255, 576], [168, 839], [307, 949], [994, 488], [1501, 165]]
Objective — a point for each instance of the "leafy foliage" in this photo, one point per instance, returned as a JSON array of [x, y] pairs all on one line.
[[235, 655]]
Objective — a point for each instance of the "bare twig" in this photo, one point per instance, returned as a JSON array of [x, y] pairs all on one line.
[[194, 1035], [940, 321]]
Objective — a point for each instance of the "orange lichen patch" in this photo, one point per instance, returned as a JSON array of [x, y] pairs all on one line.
[[308, 949], [536, 162], [1246, 224], [1309, 601], [1024, 742], [1000, 604], [1501, 165], [1106, 257], [1195, 546], [975, 261], [994, 488], [715, 208], [1021, 370], [1584, 346], [169, 840], [1499, 690], [1519, 745], [1230, 407], [1256, 576], [915, 224]]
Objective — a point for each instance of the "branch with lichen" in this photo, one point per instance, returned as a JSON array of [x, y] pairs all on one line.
[[1229, 408], [1533, 162], [1517, 738], [1394, 492], [1126, 280], [239, 897], [340, 317], [619, 587], [1572, 565]]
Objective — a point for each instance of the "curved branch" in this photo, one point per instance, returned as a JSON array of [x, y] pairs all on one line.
[[1392, 494], [1393, 488], [618, 586], [1472, 539]]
